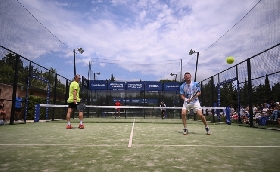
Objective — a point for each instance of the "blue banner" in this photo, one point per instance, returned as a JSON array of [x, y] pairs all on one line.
[[84, 82], [149, 101], [116, 85], [153, 86], [136, 101], [172, 86], [152, 101], [98, 85], [121, 100], [135, 85]]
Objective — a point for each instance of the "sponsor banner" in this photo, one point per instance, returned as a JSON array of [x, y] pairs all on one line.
[[136, 100], [84, 82], [152, 101], [135, 86], [153, 86], [149, 101], [121, 100], [98, 85], [116, 85], [172, 86]]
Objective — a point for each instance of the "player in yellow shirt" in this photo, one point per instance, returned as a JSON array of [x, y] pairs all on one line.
[[74, 101]]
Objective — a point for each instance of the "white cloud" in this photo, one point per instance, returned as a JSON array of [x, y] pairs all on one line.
[[147, 37]]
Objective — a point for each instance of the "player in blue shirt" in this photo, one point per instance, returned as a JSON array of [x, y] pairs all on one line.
[[189, 92]]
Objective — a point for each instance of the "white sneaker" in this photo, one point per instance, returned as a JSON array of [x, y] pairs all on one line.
[[185, 131], [19, 121], [208, 132]]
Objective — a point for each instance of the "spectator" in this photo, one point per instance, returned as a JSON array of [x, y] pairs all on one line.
[[117, 110], [255, 109], [162, 105], [265, 109], [261, 108], [231, 110], [18, 107], [276, 112], [2, 110], [242, 113], [272, 104], [234, 116], [247, 108], [272, 107]]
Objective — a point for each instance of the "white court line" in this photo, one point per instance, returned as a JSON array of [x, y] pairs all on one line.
[[212, 146], [141, 145], [131, 135]]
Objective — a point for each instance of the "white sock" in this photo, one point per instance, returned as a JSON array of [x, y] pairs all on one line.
[[69, 123], [81, 122]]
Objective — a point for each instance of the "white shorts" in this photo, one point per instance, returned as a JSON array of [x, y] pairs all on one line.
[[195, 106]]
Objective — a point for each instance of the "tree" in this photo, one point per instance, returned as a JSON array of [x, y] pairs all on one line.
[[276, 92], [206, 94], [7, 69], [267, 91], [112, 78], [166, 80], [228, 95]]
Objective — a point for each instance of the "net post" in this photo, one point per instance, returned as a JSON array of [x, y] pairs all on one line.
[[37, 113], [228, 116], [217, 112]]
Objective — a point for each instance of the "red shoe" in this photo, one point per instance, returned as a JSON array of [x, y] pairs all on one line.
[[69, 127], [81, 126]]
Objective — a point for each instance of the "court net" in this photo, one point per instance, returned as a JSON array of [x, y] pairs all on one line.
[[53, 112]]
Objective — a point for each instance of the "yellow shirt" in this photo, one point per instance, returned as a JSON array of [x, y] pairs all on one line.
[[74, 86]]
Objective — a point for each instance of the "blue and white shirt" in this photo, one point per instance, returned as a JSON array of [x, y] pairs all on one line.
[[188, 90]]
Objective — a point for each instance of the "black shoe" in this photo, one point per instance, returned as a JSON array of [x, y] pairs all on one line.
[[208, 132], [185, 131]]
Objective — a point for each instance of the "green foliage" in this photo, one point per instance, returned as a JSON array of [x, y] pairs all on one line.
[[206, 94], [228, 95], [32, 101], [276, 92], [7, 68], [166, 80]]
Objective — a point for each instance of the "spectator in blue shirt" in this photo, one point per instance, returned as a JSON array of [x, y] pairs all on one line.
[[18, 107], [276, 112]]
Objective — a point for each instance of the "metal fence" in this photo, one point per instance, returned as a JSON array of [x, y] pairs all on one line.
[[248, 84]]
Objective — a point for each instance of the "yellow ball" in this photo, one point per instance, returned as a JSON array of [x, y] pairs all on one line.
[[230, 60]]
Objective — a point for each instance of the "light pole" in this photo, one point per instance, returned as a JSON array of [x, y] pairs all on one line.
[[74, 51], [172, 74], [98, 73], [191, 53]]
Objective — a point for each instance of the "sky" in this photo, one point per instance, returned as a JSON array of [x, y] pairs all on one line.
[[136, 40]]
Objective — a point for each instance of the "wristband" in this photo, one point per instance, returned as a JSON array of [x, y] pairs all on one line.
[[186, 99]]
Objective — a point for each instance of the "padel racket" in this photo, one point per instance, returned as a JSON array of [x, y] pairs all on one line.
[[81, 107], [193, 96]]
